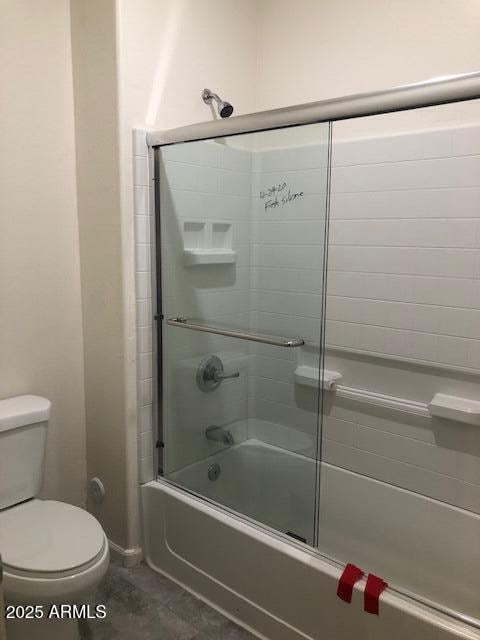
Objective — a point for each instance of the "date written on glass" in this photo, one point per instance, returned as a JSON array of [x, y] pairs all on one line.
[[279, 195]]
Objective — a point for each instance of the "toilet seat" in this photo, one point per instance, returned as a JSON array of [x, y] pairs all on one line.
[[47, 539]]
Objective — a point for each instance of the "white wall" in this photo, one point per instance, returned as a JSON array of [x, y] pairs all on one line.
[[172, 49], [104, 250], [404, 246], [311, 50], [40, 309]]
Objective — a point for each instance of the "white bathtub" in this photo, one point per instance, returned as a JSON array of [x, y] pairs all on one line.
[[282, 589]]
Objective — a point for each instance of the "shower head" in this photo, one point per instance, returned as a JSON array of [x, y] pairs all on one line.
[[225, 109]]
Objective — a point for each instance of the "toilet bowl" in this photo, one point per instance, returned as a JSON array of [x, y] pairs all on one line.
[[54, 554]]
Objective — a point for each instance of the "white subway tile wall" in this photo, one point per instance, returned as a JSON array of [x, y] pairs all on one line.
[[403, 282], [142, 197], [404, 268], [288, 238], [205, 199], [404, 262]]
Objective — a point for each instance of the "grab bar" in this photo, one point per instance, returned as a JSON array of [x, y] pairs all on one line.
[[330, 381], [381, 400], [455, 408], [231, 333]]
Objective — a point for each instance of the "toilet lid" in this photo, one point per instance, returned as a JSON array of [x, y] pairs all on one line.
[[45, 536]]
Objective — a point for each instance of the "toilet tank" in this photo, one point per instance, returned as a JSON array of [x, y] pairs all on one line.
[[23, 435]]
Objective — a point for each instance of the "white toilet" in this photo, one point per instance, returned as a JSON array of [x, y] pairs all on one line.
[[52, 552]]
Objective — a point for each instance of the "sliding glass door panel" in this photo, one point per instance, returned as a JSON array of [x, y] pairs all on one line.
[[243, 224]]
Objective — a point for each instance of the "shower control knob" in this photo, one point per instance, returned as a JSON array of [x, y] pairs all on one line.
[[210, 374]]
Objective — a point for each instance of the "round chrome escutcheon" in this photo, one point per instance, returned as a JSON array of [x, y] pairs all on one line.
[[207, 372], [214, 470]]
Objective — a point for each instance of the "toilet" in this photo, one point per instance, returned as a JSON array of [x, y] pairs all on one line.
[[53, 553]]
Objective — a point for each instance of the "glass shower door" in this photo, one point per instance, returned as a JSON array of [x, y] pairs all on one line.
[[400, 483], [243, 223]]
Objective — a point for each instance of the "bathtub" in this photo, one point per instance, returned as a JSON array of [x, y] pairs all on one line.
[[282, 589]]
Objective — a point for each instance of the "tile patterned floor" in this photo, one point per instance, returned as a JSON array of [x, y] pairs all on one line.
[[143, 605]]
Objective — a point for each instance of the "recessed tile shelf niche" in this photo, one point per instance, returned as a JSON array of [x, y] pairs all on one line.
[[207, 242]]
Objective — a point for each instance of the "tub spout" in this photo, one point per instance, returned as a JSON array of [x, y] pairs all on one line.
[[219, 434]]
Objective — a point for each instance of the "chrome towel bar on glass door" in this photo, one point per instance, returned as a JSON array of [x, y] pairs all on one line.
[[232, 333]]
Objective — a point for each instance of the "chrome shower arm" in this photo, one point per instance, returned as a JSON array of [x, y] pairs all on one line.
[[225, 109]]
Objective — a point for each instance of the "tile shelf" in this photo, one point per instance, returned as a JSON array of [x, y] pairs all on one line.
[[208, 242], [309, 377], [194, 257], [454, 408]]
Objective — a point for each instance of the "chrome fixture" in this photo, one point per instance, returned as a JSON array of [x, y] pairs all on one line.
[[225, 109], [214, 470], [210, 374], [410, 96], [231, 333], [219, 434]]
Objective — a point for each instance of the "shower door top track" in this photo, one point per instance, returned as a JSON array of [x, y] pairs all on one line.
[[429, 93]]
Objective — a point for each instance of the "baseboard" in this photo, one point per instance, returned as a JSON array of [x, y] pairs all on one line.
[[125, 557]]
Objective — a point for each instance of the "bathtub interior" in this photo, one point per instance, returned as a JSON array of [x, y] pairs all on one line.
[[277, 486], [393, 491]]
